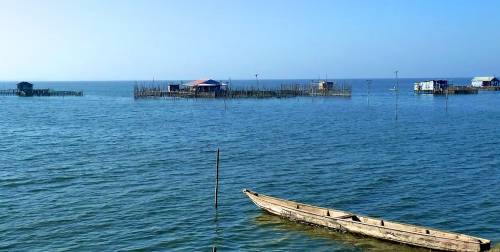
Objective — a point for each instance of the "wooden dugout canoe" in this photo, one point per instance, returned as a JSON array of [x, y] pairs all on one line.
[[377, 228]]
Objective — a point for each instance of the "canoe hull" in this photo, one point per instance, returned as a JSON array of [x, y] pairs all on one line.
[[381, 229]]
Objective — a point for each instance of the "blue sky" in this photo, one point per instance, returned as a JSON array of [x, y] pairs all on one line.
[[131, 40]]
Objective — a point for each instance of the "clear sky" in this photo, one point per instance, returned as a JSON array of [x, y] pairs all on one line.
[[185, 39]]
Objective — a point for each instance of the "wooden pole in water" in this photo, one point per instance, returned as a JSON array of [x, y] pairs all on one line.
[[368, 86], [214, 248], [257, 80], [217, 178], [397, 93], [446, 108], [446, 96]]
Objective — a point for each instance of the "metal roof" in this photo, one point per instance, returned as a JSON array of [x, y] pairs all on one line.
[[485, 78], [24, 83], [202, 83]]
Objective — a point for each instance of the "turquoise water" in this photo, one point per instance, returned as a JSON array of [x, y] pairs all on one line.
[[104, 172]]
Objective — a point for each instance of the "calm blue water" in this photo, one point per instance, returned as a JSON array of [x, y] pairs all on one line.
[[104, 172]]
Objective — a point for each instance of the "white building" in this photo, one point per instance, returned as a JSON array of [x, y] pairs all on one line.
[[430, 86], [489, 81]]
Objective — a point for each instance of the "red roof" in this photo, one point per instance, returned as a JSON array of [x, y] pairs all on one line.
[[208, 82]]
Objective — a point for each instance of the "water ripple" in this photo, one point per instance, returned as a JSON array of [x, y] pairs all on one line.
[[105, 172]]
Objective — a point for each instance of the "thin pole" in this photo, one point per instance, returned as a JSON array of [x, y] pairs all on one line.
[[368, 84], [446, 108], [397, 98], [397, 93], [397, 80], [217, 178]]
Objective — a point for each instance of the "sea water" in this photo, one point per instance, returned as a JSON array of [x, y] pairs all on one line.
[[105, 172]]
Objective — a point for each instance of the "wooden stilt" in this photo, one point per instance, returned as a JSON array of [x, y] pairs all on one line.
[[217, 178]]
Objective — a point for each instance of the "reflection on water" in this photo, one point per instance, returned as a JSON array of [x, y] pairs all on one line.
[[217, 239], [347, 240]]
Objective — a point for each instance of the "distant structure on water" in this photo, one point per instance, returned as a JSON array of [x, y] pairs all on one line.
[[214, 89], [206, 86], [26, 89], [485, 81], [441, 87], [431, 86], [490, 83], [325, 85]]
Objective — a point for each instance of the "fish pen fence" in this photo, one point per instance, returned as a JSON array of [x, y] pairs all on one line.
[[49, 92], [489, 88], [283, 91], [39, 92], [9, 92], [450, 90]]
